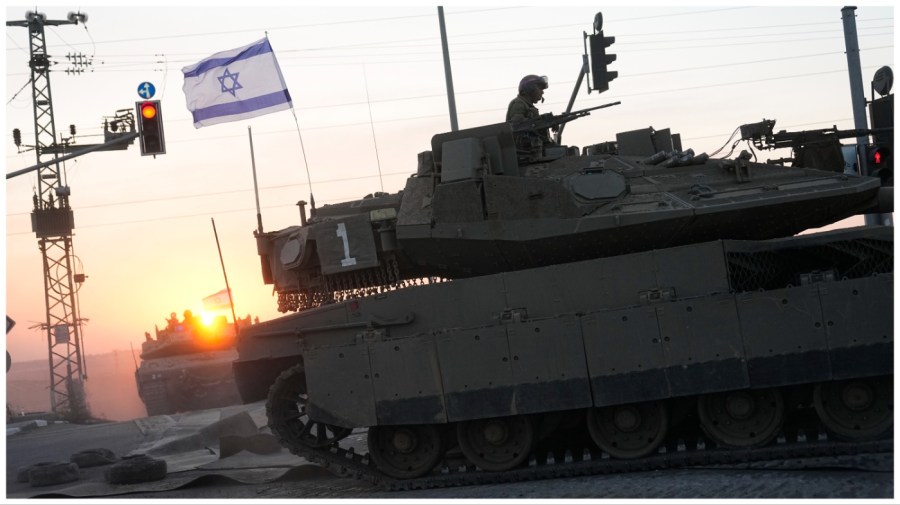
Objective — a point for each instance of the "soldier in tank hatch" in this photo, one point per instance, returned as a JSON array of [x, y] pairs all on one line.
[[531, 91], [521, 108]]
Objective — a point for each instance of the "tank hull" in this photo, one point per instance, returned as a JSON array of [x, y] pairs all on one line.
[[188, 382], [683, 321]]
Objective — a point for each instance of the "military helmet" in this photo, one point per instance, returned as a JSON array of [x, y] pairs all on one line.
[[533, 80]]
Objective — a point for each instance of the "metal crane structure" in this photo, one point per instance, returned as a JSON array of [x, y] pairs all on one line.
[[53, 221]]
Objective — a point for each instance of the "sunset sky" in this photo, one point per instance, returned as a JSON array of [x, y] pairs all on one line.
[[368, 88]]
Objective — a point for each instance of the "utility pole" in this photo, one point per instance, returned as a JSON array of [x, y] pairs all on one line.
[[857, 95], [448, 75], [52, 221], [858, 101]]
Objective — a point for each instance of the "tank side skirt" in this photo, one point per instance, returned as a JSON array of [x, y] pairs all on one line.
[[762, 339]]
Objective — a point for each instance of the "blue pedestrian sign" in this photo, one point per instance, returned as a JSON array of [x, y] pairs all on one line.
[[146, 90]]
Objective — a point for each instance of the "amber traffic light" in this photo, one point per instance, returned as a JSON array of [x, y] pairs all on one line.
[[150, 127]]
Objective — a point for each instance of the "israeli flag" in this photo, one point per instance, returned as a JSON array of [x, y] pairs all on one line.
[[238, 84]]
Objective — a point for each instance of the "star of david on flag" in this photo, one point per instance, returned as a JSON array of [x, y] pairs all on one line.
[[238, 84]]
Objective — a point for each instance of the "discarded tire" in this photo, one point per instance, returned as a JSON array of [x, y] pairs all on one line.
[[22, 473], [136, 469], [93, 457], [50, 474]]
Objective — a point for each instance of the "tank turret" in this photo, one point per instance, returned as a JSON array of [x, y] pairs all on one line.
[[482, 201]]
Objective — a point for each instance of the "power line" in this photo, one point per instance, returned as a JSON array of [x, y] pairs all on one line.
[[293, 27], [491, 90], [187, 216], [463, 35], [330, 60], [225, 192], [515, 44]]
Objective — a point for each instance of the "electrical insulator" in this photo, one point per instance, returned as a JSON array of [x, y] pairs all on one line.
[[17, 137]]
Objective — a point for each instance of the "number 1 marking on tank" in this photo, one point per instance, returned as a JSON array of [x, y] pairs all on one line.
[[342, 232]]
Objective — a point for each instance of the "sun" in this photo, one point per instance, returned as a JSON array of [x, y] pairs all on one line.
[[207, 318]]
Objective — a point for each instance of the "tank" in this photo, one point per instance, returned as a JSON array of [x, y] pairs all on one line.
[[527, 309], [187, 366]]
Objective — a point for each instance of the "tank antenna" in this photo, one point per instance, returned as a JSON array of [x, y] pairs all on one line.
[[312, 211], [372, 126], [132, 355], [305, 164], [259, 225], [227, 287]]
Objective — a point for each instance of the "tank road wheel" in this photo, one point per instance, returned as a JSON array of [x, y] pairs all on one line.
[[748, 418], [405, 452], [286, 410], [497, 444], [629, 431], [856, 409]]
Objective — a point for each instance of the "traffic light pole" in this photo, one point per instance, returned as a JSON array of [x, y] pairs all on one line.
[[858, 100], [99, 147]]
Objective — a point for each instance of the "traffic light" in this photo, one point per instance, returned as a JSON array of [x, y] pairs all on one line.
[[150, 127], [599, 61], [881, 152], [880, 162]]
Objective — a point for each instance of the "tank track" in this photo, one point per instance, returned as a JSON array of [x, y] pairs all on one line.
[[346, 462], [156, 398]]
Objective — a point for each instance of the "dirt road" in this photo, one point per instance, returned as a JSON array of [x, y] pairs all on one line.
[[200, 468]]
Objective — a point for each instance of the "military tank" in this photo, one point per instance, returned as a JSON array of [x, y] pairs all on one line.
[[187, 366], [528, 309]]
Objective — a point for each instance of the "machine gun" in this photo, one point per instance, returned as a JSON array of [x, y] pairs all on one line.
[[811, 148], [762, 137], [549, 121]]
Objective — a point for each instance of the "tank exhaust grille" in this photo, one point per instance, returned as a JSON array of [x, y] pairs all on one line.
[[850, 259]]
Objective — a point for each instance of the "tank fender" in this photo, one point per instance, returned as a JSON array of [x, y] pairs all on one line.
[[369, 333]]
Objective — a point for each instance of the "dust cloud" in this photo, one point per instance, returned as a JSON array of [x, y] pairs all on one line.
[[110, 386]]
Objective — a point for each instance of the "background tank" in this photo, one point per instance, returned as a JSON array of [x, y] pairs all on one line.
[[479, 205], [188, 365]]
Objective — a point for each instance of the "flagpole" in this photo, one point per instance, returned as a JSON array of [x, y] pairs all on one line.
[[255, 186], [312, 199], [227, 287]]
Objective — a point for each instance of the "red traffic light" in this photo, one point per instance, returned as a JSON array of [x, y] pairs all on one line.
[[148, 110], [878, 156]]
